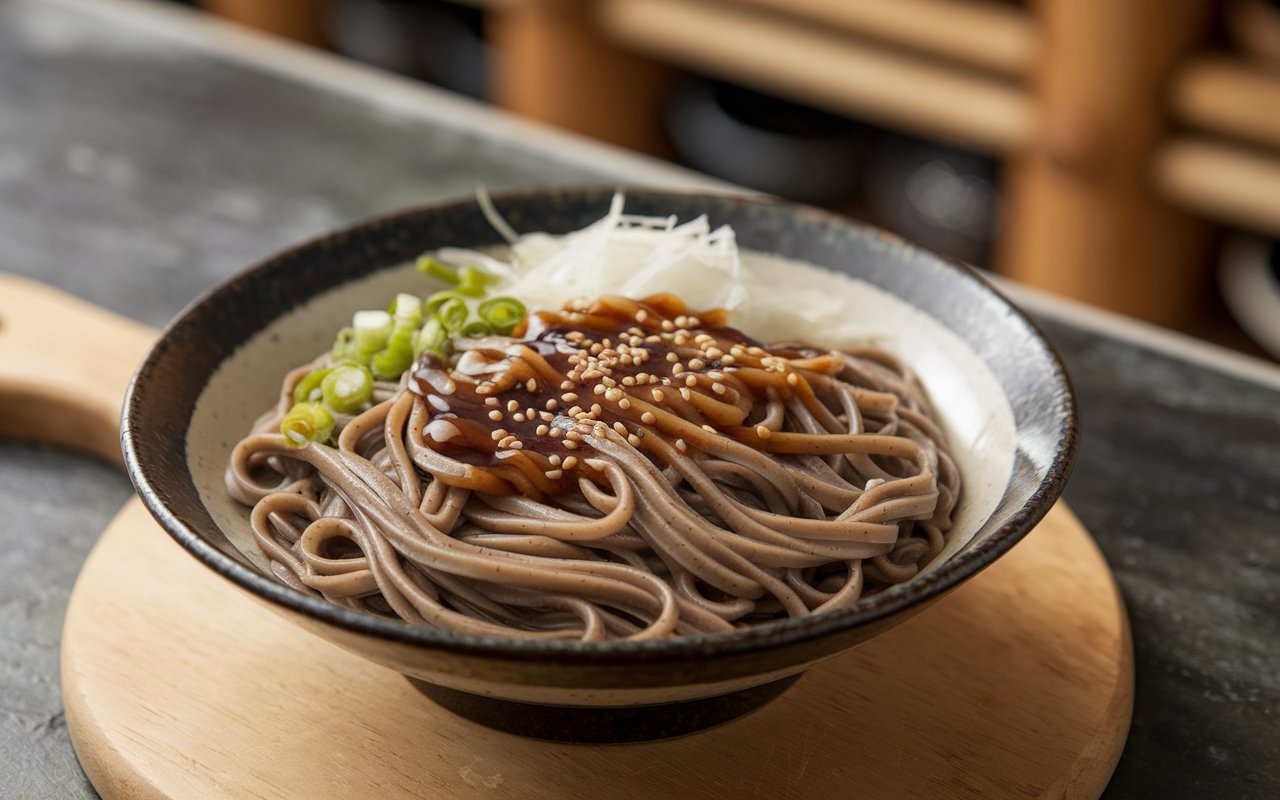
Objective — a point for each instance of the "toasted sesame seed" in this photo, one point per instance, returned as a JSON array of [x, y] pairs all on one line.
[[708, 429], [607, 381], [612, 394], [653, 338], [556, 433], [546, 416], [681, 339], [518, 417], [672, 357], [596, 409], [573, 436], [792, 378], [685, 393], [506, 441], [516, 445], [491, 401], [495, 415], [570, 445], [658, 395], [542, 430], [691, 380], [566, 384], [715, 375], [484, 388], [642, 315], [554, 458], [624, 404], [677, 369], [574, 411], [529, 413], [718, 387], [570, 462], [531, 386], [763, 432], [696, 363], [728, 360], [648, 418], [633, 440], [681, 446], [512, 405], [555, 474], [551, 404], [620, 428], [628, 381], [568, 397], [668, 325], [498, 434]]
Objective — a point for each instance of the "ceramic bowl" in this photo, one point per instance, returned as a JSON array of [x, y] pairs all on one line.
[[218, 365]]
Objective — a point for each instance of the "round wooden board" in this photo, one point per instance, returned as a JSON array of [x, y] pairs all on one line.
[[176, 685]]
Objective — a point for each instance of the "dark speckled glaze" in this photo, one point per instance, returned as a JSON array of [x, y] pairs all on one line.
[[730, 668]]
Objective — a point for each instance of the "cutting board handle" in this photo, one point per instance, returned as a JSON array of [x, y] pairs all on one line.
[[64, 367]]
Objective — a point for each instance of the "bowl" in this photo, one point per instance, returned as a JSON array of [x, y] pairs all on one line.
[[219, 364]]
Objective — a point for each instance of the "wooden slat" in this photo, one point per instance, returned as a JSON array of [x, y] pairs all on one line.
[[1229, 97], [994, 36], [829, 70], [1228, 183]]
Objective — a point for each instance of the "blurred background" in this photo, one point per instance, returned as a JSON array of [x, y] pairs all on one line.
[[1125, 154]]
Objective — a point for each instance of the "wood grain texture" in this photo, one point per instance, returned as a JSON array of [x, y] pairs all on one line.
[[1018, 684], [64, 366]]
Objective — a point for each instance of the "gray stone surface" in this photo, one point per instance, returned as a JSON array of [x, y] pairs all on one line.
[[136, 171]]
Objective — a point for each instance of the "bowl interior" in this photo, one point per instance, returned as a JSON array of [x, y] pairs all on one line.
[[1002, 395]]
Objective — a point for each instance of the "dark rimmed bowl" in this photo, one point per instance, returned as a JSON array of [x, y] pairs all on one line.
[[219, 364]]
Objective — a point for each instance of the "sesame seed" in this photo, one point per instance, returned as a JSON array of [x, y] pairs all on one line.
[[696, 363], [624, 404], [668, 326], [516, 445], [718, 387], [648, 418], [555, 474], [628, 381], [498, 434], [571, 445], [551, 404], [677, 369], [620, 428], [672, 357], [596, 409], [691, 380], [598, 388], [568, 397], [554, 458], [653, 338], [529, 413], [542, 430], [681, 339], [556, 433], [763, 432], [491, 401], [512, 405], [573, 436], [633, 440], [685, 393], [642, 315], [518, 417], [681, 446], [570, 462], [658, 395], [727, 360], [575, 411], [506, 441], [495, 415], [715, 375], [708, 429], [608, 381], [484, 388], [612, 394], [792, 378], [566, 384], [546, 416]]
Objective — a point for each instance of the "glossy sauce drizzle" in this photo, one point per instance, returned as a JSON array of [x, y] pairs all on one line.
[[524, 409]]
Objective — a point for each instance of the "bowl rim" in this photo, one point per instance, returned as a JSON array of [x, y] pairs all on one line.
[[767, 635]]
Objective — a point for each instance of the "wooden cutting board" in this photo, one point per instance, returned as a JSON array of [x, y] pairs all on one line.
[[178, 685]]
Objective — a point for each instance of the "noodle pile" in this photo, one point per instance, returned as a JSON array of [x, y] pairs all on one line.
[[619, 469]]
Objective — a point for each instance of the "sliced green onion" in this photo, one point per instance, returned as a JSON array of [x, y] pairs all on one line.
[[433, 337], [347, 388], [389, 363], [305, 423], [503, 313], [309, 385], [472, 282], [372, 330], [453, 314], [406, 309], [477, 328], [435, 269], [344, 346], [441, 297]]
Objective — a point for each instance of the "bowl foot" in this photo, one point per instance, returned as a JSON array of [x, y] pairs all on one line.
[[603, 724]]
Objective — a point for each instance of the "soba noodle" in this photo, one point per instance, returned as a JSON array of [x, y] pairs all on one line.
[[622, 469]]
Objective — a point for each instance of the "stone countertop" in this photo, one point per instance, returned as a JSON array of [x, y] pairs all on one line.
[[146, 154]]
